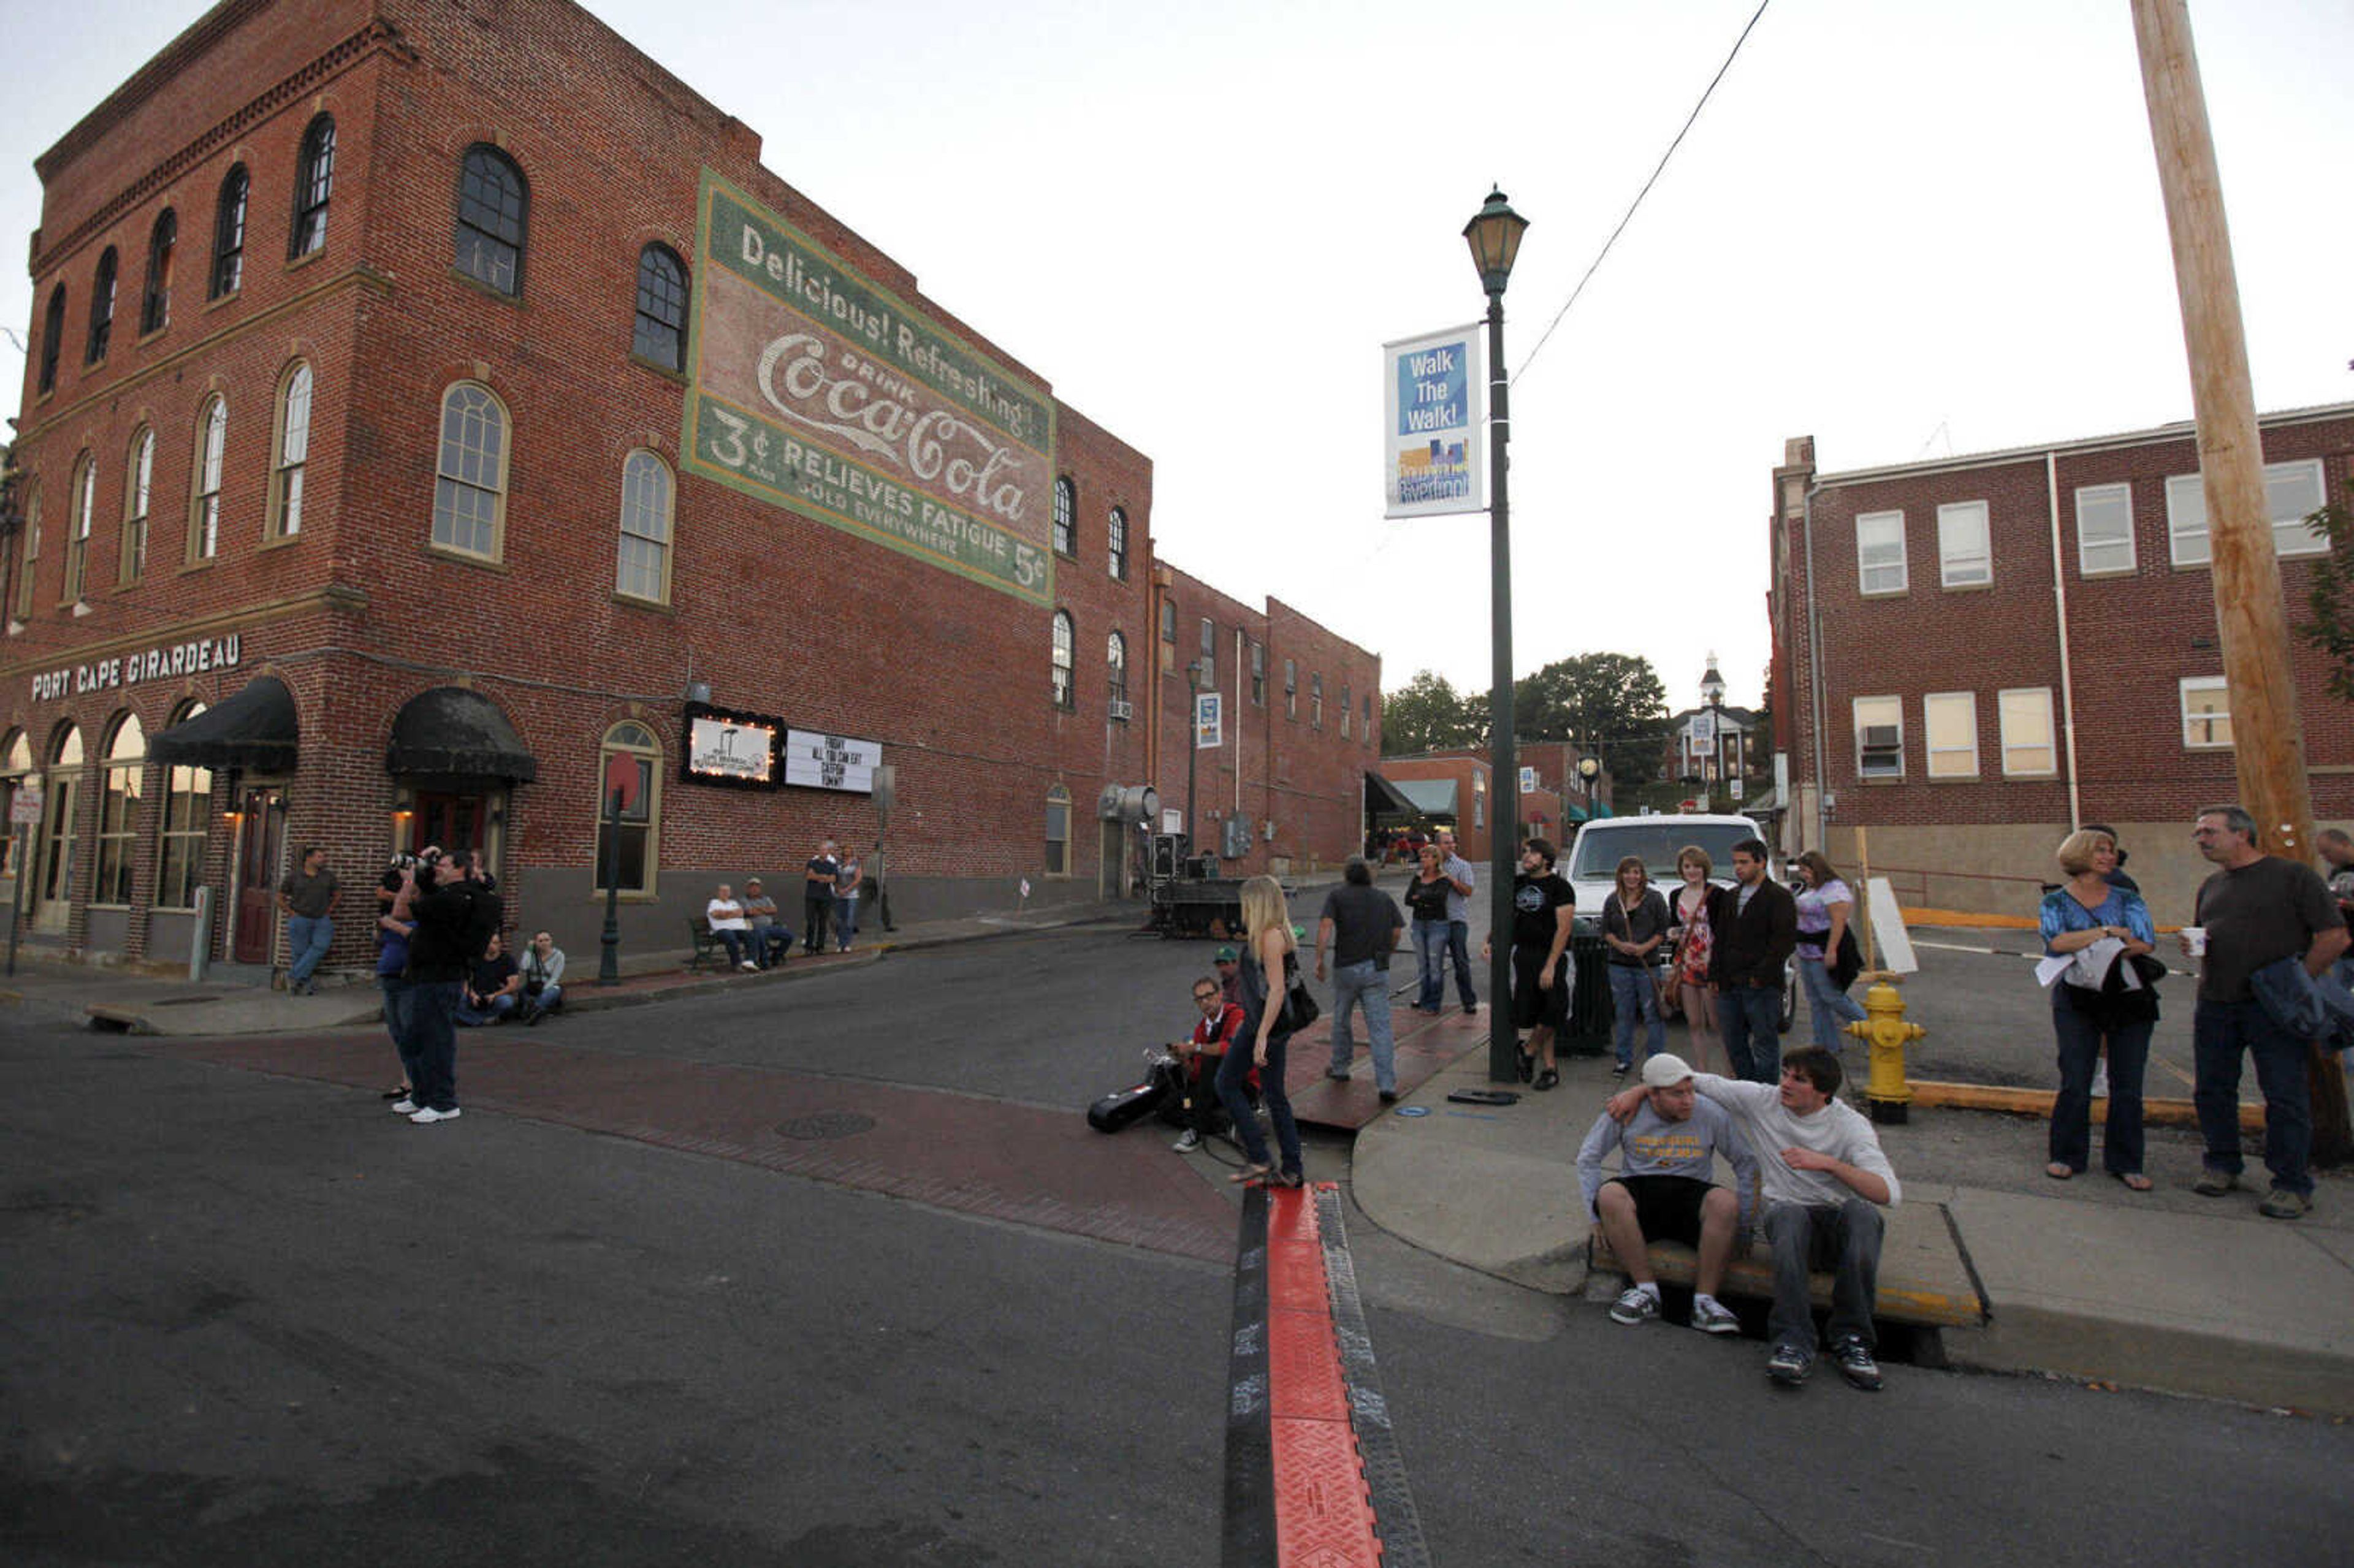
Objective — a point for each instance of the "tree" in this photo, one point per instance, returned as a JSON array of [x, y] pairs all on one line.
[[1428, 715], [1610, 704], [2332, 600]]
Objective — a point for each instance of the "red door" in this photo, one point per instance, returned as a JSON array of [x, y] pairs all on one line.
[[450, 821], [261, 842]]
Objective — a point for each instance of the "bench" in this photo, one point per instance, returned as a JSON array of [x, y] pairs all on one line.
[[707, 947], [1924, 1281]]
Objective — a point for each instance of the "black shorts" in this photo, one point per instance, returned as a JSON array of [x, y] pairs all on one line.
[[1667, 1208], [1532, 1007]]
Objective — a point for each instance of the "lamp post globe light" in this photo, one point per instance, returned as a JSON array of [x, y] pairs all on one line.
[[1711, 692], [1494, 236]]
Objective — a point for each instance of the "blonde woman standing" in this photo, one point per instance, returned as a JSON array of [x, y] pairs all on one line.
[[1267, 963], [1687, 913]]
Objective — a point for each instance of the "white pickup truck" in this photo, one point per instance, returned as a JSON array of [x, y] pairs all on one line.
[[1592, 868]]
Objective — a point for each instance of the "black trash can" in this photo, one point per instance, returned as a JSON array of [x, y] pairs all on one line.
[[1591, 1011]]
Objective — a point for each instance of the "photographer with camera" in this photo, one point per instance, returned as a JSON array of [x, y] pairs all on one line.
[[457, 916]]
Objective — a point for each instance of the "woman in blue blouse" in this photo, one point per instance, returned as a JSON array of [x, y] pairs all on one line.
[[2084, 911]]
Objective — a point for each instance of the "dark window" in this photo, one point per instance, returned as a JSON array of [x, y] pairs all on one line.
[[1209, 652], [1291, 688], [155, 306], [315, 182], [1066, 509], [1258, 674], [1119, 544], [102, 308], [53, 336], [1115, 671], [1316, 701], [661, 308], [491, 206], [229, 235]]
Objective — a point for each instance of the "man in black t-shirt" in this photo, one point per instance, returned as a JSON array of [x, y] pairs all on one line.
[[1360, 926], [817, 902], [2255, 911], [1543, 907]]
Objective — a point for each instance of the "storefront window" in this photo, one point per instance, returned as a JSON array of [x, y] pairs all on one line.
[[187, 812], [118, 812], [634, 867], [16, 764]]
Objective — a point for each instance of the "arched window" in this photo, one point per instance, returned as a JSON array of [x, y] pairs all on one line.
[[644, 569], [102, 308], [1116, 674], [205, 480], [16, 764], [80, 502], [138, 477], [492, 204], [314, 183], [631, 855], [1058, 830], [118, 812], [57, 874], [660, 334], [155, 303], [293, 457], [1067, 511], [187, 814], [1118, 554], [30, 559], [53, 337], [1066, 641], [229, 235], [469, 491]]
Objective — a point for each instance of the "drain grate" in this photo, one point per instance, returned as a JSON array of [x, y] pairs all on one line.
[[827, 1124]]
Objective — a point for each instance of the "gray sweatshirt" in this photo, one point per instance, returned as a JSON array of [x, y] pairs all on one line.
[[1838, 1130], [1654, 1145]]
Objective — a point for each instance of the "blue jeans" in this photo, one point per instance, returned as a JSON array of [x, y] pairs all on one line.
[[770, 943], [1846, 1241], [1365, 985], [433, 1011], [846, 922], [495, 1009], [549, 998], [1751, 1017], [1826, 1006], [1635, 994], [2072, 1110], [400, 1021], [307, 938], [2219, 1033], [1430, 941], [1233, 1067], [1458, 945]]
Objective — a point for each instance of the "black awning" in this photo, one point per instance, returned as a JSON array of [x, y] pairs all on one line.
[[254, 730], [1386, 799], [453, 731]]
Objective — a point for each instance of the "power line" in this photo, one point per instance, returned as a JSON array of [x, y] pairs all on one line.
[[1637, 202]]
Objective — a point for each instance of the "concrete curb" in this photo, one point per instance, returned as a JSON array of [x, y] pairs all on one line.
[[2038, 1102]]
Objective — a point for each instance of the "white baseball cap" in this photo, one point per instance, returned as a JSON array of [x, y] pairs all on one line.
[[1665, 1072]]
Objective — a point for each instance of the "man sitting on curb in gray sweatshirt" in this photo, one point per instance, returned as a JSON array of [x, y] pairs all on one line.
[[1663, 1190], [1825, 1181]]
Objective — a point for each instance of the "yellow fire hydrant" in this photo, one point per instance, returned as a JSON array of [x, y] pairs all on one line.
[[1889, 1096]]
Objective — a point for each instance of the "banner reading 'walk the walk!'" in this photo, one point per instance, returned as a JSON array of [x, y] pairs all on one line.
[[1433, 390]]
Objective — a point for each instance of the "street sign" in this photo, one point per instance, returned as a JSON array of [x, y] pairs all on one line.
[[1733, 785], [1687, 805], [24, 812]]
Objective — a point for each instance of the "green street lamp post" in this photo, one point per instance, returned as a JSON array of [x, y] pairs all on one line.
[[1494, 235]]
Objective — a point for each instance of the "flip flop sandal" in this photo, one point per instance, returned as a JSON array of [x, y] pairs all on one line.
[[2134, 1180], [1290, 1178], [2059, 1172], [1250, 1174]]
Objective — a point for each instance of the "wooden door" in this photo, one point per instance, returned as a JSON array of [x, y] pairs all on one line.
[[260, 846], [450, 822]]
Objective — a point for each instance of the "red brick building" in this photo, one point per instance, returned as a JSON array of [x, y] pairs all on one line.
[[1972, 655], [1452, 786], [432, 410]]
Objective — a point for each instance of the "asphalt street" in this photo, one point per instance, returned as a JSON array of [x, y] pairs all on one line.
[[254, 1319]]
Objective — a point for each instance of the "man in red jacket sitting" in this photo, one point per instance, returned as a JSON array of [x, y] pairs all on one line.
[[1200, 1056]]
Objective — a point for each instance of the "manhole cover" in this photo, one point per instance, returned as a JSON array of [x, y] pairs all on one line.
[[827, 1124]]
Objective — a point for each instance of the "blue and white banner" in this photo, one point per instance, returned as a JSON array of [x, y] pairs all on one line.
[[1433, 390]]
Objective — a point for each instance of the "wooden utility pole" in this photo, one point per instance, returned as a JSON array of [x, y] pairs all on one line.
[[2268, 745]]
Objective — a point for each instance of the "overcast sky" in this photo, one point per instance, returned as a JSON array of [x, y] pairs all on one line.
[[1901, 228]]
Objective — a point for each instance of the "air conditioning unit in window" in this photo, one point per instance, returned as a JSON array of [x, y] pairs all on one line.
[[1120, 709], [1882, 738]]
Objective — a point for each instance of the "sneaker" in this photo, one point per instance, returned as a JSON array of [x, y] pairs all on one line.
[[2101, 1082], [1187, 1141], [1619, 1069], [1338, 1075], [430, 1115], [404, 1105], [1789, 1365], [1856, 1365], [1637, 1305], [2214, 1183], [1388, 1096], [747, 964], [1710, 1315], [2282, 1204], [1546, 1079]]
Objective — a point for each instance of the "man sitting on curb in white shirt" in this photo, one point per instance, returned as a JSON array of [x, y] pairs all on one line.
[[1663, 1190], [1826, 1182]]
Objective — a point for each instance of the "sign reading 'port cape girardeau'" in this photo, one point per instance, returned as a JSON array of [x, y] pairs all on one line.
[[1432, 390], [816, 391]]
